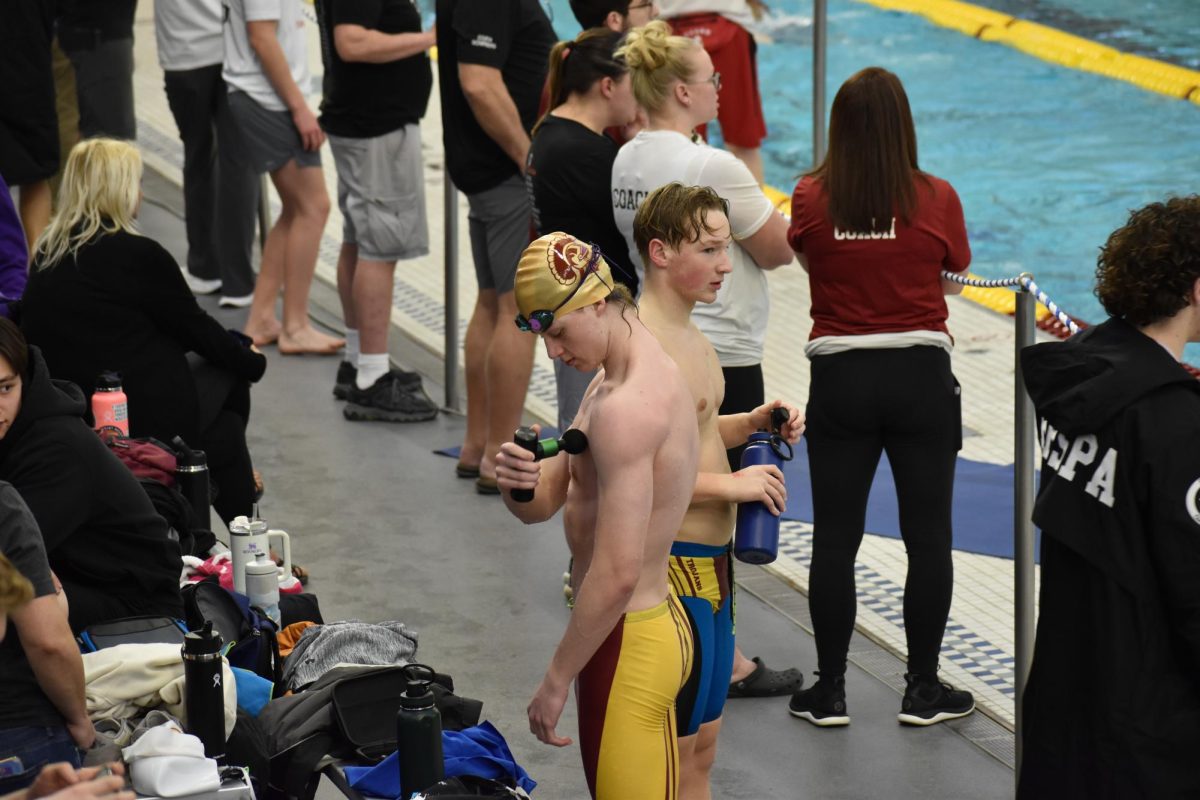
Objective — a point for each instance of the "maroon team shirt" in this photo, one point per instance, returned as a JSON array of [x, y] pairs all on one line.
[[885, 282]]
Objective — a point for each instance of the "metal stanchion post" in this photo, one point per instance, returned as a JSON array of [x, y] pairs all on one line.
[[1023, 429], [818, 31], [264, 211], [450, 250]]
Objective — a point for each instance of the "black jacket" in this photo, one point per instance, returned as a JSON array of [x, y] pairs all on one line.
[[100, 530], [1112, 708], [122, 304]]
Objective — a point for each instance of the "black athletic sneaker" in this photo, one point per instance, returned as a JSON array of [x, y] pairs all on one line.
[[928, 701], [344, 381], [823, 704], [392, 398], [347, 374]]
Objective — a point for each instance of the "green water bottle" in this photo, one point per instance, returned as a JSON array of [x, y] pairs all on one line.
[[419, 740]]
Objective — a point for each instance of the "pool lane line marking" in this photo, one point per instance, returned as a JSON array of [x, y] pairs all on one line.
[[1053, 45]]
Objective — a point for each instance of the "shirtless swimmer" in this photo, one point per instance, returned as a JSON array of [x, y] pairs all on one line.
[[627, 646], [682, 235]]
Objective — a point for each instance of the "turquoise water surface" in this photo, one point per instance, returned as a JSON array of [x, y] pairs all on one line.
[[1048, 161]]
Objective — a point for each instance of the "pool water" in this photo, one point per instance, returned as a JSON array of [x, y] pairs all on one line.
[[1048, 161]]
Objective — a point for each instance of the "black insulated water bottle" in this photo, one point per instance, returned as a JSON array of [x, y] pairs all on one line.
[[419, 739], [204, 696], [192, 479]]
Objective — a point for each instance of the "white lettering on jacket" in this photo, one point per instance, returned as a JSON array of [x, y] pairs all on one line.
[[1192, 500], [483, 40], [842, 235], [1081, 452]]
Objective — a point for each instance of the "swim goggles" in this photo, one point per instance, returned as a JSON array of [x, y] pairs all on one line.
[[540, 321]]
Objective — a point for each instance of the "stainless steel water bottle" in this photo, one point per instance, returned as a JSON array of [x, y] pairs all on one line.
[[204, 695], [419, 739]]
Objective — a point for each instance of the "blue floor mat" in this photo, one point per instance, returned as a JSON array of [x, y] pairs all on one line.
[[982, 509]]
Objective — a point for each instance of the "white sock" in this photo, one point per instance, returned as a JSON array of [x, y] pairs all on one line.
[[351, 355], [371, 367]]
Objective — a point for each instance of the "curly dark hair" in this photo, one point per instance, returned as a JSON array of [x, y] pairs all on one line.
[[1148, 267]]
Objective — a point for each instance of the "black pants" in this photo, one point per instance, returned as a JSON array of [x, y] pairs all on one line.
[[103, 64], [224, 414], [743, 392], [220, 187], [904, 402]]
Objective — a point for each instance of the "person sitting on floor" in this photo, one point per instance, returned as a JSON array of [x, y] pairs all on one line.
[[43, 713], [104, 541], [103, 297]]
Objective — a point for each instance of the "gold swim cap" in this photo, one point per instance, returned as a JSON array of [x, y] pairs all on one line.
[[552, 279]]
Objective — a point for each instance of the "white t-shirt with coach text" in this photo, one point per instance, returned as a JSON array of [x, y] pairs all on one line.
[[736, 324], [189, 33], [243, 72]]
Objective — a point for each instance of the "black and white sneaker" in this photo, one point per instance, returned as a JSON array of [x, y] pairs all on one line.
[[928, 701], [344, 382], [392, 398], [823, 704]]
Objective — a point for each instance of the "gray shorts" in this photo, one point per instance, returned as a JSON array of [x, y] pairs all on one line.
[[381, 193], [270, 137], [500, 226]]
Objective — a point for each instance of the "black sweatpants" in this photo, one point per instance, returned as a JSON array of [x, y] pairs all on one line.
[[905, 402], [220, 187]]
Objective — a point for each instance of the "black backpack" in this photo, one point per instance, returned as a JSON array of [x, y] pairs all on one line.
[[253, 634]]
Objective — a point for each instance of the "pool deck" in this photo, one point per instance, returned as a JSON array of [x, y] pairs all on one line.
[[978, 653]]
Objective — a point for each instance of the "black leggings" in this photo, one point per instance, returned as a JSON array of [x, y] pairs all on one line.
[[223, 415], [743, 392], [905, 402]]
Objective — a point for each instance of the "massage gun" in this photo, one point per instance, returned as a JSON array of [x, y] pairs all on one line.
[[573, 441]]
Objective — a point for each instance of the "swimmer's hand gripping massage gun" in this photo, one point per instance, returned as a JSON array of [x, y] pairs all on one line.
[[573, 441]]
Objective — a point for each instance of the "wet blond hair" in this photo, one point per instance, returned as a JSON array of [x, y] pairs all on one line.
[[656, 59], [674, 214], [98, 195], [15, 588]]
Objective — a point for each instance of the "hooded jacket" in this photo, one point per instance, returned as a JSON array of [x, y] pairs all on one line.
[[100, 529], [1112, 708]]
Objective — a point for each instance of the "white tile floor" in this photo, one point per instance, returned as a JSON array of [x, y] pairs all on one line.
[[978, 651]]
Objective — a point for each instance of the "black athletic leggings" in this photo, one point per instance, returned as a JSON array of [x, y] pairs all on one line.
[[905, 402], [743, 392], [224, 412]]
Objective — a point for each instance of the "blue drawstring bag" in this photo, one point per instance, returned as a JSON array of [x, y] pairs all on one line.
[[480, 751]]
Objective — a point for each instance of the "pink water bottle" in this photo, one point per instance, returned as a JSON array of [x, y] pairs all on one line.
[[110, 406]]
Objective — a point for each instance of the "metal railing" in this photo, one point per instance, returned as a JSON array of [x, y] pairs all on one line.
[[1024, 442]]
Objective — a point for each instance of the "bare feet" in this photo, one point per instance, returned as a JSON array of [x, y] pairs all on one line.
[[309, 340], [263, 333]]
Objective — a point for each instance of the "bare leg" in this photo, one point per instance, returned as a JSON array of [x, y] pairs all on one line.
[[479, 336], [302, 189], [509, 363], [373, 282], [696, 762], [261, 324], [347, 261], [742, 666], [34, 208], [751, 157]]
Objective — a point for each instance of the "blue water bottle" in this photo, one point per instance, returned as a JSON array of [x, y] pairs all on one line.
[[757, 538]]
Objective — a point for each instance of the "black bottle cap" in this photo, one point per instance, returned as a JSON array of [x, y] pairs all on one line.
[[108, 381], [205, 641], [417, 696]]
